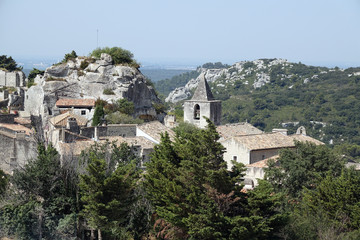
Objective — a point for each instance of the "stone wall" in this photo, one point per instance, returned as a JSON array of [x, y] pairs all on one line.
[[259, 155], [128, 130], [12, 79], [209, 109], [16, 151], [7, 118]]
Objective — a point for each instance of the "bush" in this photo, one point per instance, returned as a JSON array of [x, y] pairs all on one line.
[[118, 55], [118, 117], [84, 64], [108, 91]]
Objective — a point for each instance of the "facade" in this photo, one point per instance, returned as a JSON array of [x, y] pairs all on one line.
[[81, 107], [202, 105]]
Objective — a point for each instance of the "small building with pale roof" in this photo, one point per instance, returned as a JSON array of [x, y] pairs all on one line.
[[82, 107]]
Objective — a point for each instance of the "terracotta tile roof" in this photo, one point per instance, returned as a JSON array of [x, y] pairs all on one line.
[[263, 163], [231, 130], [303, 138], [16, 128], [61, 120], [265, 141], [155, 128], [72, 102]]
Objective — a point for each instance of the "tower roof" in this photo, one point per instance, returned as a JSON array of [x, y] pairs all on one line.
[[203, 92]]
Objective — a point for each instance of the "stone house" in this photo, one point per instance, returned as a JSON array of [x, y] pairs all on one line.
[[248, 149], [153, 130], [81, 107], [17, 145]]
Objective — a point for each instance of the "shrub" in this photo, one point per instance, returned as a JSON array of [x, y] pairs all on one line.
[[118, 55], [118, 117], [84, 64], [108, 91]]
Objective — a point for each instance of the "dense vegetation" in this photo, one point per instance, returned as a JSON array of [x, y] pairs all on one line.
[[325, 101], [119, 55], [8, 64], [185, 193]]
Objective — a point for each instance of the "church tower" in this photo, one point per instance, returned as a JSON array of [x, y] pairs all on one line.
[[202, 105]]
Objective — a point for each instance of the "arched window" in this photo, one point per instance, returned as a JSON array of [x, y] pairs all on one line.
[[197, 112]]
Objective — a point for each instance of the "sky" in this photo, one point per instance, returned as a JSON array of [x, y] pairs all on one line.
[[314, 32]]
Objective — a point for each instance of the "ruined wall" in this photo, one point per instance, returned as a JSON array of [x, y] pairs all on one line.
[[12, 79], [110, 130], [15, 151]]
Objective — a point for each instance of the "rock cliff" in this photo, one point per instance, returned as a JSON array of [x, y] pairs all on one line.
[[86, 77]]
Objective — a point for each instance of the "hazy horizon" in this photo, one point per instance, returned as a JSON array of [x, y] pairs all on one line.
[[188, 33]]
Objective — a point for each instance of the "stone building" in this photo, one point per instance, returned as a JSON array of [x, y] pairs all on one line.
[[201, 105], [81, 107], [17, 146]]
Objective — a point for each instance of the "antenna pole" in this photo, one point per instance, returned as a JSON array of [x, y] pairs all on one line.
[[97, 38]]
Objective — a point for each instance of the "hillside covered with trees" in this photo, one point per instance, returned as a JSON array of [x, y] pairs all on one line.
[[275, 93]]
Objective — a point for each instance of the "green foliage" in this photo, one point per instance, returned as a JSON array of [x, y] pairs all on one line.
[[69, 56], [84, 64], [167, 85], [124, 106], [4, 179], [196, 197], [108, 91], [351, 152], [32, 76], [216, 65], [121, 118], [9, 64], [302, 167], [98, 115], [43, 193], [108, 185], [119, 55]]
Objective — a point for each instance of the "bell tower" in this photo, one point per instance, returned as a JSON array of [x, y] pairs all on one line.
[[202, 104]]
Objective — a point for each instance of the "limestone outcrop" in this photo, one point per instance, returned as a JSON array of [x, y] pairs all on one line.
[[86, 77]]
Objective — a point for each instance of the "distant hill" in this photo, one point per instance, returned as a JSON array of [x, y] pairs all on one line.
[[159, 74], [275, 93]]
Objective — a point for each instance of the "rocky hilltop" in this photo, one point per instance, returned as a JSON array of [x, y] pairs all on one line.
[[251, 75], [86, 77]]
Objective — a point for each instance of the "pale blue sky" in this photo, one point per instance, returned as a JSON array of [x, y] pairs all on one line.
[[317, 32]]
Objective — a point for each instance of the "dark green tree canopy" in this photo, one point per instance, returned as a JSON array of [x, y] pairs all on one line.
[[9, 64]]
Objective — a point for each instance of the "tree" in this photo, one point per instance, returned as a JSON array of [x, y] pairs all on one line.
[[98, 115], [32, 76], [3, 181], [302, 167], [43, 195], [9, 64], [107, 187], [193, 193], [69, 56]]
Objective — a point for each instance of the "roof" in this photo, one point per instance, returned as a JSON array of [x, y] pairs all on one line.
[[72, 102], [203, 92], [154, 130], [265, 141], [132, 141], [16, 128], [263, 163], [23, 121], [77, 147], [230, 130], [304, 138], [61, 120]]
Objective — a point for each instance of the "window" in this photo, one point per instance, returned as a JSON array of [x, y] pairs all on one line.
[[83, 112], [263, 157], [235, 158], [197, 112]]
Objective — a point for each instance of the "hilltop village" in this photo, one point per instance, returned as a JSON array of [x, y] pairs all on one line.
[[59, 110]]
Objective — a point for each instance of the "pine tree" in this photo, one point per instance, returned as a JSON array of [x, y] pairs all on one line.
[[193, 193]]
